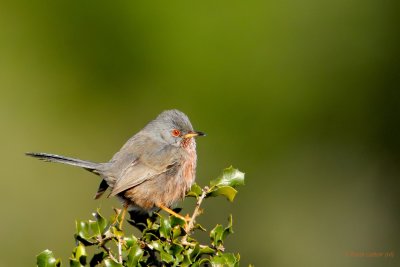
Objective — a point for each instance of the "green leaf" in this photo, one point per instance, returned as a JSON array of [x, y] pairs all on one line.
[[156, 245], [195, 191], [111, 263], [176, 232], [99, 225], [206, 250], [227, 259], [82, 229], [134, 256], [165, 227], [227, 191], [130, 241], [166, 257], [200, 227], [47, 259], [176, 249], [195, 252], [216, 235], [79, 256], [230, 177], [176, 221]]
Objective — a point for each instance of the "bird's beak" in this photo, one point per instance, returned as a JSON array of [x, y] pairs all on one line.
[[193, 134]]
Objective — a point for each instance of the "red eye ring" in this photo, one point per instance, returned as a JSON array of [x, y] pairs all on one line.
[[176, 133]]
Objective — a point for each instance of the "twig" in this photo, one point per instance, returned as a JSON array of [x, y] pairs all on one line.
[[196, 213], [119, 250], [108, 252], [186, 243]]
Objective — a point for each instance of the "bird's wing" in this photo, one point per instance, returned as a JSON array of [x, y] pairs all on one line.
[[144, 168]]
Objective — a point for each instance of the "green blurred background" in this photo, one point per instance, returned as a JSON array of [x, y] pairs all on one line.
[[303, 96]]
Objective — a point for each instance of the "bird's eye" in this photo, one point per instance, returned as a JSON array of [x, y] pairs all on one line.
[[176, 133]]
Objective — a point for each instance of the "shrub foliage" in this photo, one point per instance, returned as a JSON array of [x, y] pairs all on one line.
[[164, 241]]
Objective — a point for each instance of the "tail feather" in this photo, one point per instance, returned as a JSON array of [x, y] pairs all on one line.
[[90, 166]]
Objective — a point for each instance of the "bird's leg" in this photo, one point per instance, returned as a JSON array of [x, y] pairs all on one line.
[[124, 210], [185, 219]]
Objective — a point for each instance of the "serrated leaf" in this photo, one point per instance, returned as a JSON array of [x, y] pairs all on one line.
[[82, 229], [227, 259], [176, 221], [47, 259], [200, 227], [99, 225], [166, 257], [134, 256], [219, 233], [130, 241], [176, 249], [79, 255], [227, 191], [178, 260], [230, 177], [216, 235], [156, 245], [176, 232], [195, 252], [206, 250], [165, 227], [195, 191], [111, 263]]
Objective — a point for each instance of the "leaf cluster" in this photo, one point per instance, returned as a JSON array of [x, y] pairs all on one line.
[[164, 241]]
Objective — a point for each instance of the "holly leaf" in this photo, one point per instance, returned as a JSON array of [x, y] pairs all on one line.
[[225, 184], [165, 227], [47, 259], [195, 191], [112, 263], [79, 256], [219, 233], [135, 255], [227, 191], [227, 259], [230, 177]]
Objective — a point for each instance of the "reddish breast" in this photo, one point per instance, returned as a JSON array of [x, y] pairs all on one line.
[[189, 165]]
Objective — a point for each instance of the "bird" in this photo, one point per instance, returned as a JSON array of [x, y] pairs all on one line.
[[153, 170]]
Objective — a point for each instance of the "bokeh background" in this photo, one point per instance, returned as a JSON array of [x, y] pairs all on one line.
[[303, 96]]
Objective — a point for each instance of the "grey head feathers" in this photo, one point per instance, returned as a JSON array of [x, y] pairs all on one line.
[[171, 119], [165, 123]]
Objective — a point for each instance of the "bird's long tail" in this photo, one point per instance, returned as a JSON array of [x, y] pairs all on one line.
[[90, 166]]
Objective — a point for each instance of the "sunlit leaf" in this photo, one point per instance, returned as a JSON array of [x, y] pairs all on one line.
[[195, 191], [112, 263], [219, 233], [230, 177], [82, 229], [166, 257], [79, 256], [165, 227], [216, 235], [130, 241], [134, 256], [176, 221], [47, 259], [227, 191], [223, 260], [176, 232]]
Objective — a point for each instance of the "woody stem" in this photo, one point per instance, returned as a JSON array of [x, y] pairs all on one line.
[[197, 211]]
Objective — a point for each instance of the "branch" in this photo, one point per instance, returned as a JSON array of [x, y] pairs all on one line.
[[197, 211]]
